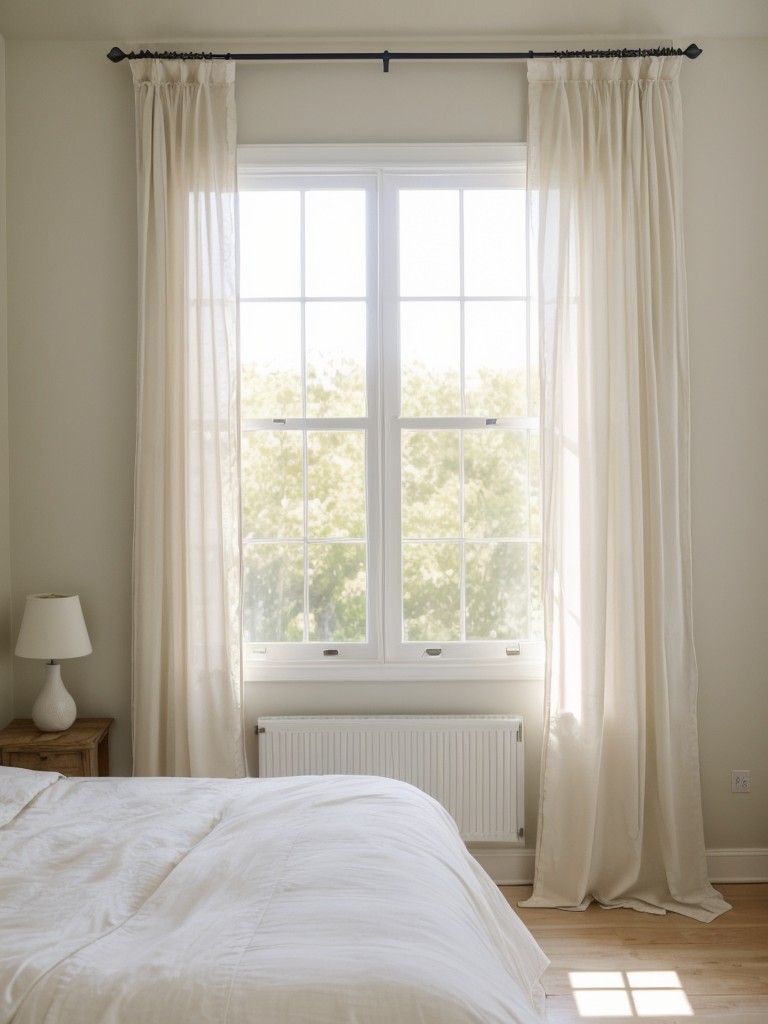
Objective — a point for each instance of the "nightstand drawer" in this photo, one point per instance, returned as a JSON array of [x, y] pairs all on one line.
[[64, 761]]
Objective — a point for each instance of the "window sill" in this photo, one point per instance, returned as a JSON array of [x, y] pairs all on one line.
[[516, 669]]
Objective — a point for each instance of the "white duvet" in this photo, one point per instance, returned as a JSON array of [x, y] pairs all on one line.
[[319, 899]]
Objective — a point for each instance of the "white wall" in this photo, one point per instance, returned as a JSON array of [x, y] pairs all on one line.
[[72, 363]]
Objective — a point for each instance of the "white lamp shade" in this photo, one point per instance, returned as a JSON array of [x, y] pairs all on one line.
[[53, 628]]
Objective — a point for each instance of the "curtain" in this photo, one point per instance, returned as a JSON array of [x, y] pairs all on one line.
[[187, 687], [620, 816]]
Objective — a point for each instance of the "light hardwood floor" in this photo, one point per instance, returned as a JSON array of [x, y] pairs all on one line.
[[658, 969]]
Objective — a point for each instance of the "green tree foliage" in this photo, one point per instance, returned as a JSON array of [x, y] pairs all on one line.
[[470, 515]]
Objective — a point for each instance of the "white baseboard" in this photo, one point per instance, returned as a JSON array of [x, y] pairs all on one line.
[[509, 865], [749, 865]]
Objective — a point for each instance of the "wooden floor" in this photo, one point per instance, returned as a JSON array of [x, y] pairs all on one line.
[[661, 969]]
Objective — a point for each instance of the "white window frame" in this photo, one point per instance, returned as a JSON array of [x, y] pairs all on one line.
[[385, 658]]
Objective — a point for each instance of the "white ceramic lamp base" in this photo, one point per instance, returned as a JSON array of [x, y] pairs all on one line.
[[54, 710]]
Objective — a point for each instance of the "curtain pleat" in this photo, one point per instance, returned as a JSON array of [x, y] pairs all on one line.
[[620, 816], [187, 685]]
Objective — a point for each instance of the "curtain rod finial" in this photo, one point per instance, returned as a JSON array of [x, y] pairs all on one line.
[[116, 55], [693, 51]]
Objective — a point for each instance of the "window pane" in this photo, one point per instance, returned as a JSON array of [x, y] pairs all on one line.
[[496, 579], [335, 243], [273, 593], [270, 353], [272, 485], [336, 339], [429, 242], [534, 484], [336, 483], [431, 592], [430, 358], [537, 610], [337, 582], [270, 244], [494, 242], [495, 483], [496, 382], [430, 483], [533, 354]]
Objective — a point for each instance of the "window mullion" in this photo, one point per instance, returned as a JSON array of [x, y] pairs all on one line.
[[305, 436], [463, 407], [375, 489], [391, 443]]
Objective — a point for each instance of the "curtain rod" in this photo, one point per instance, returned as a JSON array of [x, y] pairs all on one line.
[[692, 51]]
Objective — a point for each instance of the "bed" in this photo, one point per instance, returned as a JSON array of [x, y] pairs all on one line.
[[314, 900]]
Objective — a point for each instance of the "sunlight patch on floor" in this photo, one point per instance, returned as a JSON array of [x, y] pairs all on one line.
[[629, 994]]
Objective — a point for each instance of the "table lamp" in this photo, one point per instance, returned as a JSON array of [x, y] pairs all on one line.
[[52, 628]]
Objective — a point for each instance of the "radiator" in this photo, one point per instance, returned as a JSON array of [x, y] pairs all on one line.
[[473, 765]]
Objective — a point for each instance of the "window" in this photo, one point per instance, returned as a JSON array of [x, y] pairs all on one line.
[[390, 412]]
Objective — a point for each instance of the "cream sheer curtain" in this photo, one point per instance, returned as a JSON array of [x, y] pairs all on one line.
[[620, 812], [187, 704]]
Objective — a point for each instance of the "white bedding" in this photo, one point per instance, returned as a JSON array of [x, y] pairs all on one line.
[[319, 899]]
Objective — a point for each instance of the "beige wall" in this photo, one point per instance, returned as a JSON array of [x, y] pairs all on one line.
[[6, 666], [725, 98], [441, 102], [71, 277], [72, 363]]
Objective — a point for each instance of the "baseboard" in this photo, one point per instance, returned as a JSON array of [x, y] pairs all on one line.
[[511, 866], [507, 865], [750, 865]]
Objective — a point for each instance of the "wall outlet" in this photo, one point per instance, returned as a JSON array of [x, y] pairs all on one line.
[[740, 781]]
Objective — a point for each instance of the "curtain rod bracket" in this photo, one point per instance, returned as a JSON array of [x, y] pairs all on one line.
[[385, 62]]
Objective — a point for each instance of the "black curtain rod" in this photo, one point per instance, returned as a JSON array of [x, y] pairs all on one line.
[[116, 55]]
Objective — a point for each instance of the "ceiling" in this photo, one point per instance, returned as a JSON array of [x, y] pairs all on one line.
[[151, 22]]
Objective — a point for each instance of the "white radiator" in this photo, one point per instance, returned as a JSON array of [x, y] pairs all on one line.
[[473, 765]]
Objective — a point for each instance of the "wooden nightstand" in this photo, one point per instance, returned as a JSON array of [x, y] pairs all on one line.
[[83, 749]]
